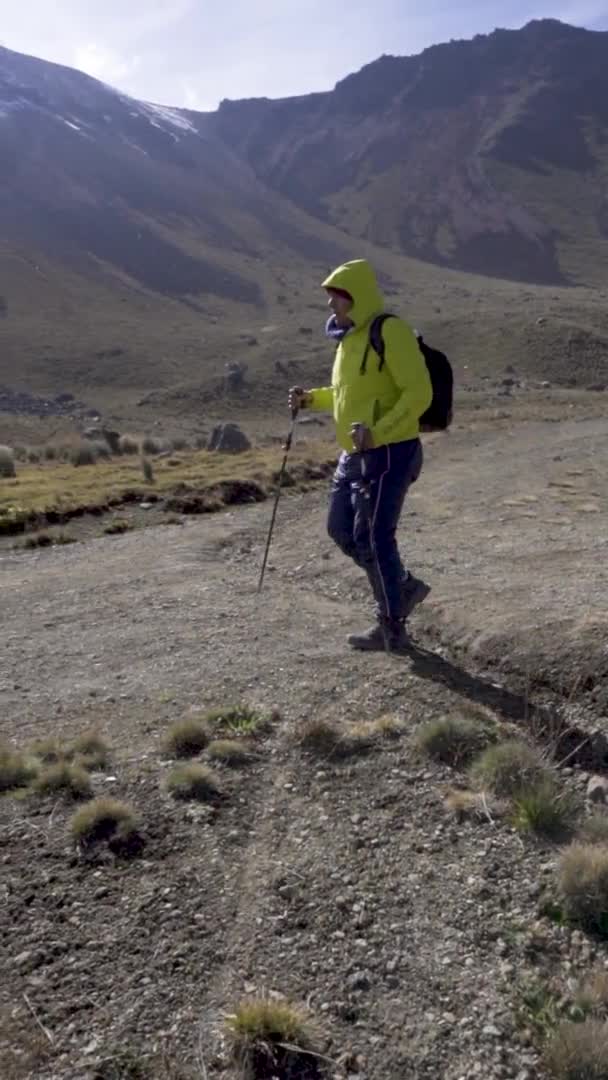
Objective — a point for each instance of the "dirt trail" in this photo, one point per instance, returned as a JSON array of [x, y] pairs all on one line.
[[346, 885]]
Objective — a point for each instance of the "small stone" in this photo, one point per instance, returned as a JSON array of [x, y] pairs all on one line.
[[491, 1032], [359, 980], [23, 958], [597, 789]]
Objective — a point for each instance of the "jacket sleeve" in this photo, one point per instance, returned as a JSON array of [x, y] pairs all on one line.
[[408, 370], [322, 399]]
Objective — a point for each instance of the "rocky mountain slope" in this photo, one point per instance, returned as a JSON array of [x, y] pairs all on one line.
[[457, 155]]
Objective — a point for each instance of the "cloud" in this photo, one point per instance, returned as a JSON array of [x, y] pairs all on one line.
[[103, 63]]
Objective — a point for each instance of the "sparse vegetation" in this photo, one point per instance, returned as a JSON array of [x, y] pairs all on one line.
[[326, 740], [49, 751], [545, 809], [272, 1038], [107, 820], [16, 770], [147, 470], [151, 446], [509, 768], [187, 738], [473, 804], [70, 781], [591, 999], [453, 740], [193, 782], [231, 752], [578, 1051], [583, 886], [7, 463]]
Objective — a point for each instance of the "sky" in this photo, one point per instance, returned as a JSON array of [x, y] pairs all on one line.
[[194, 53]]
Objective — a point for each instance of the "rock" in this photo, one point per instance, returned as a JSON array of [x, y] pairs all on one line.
[[23, 958], [359, 980], [597, 789], [229, 439]]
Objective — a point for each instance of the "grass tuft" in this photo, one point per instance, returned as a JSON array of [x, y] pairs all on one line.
[[231, 752], [187, 738], [89, 750], [583, 886], [453, 740], [272, 1039], [326, 740], [545, 809], [110, 821], [193, 782], [595, 829], [49, 751], [473, 804], [128, 445], [84, 454], [578, 1051], [237, 719], [591, 1000], [16, 770], [509, 768], [115, 528], [70, 781]]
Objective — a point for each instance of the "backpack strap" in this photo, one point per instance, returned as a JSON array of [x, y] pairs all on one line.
[[375, 341]]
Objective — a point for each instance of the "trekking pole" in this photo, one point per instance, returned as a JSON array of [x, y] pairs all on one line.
[[287, 448], [366, 492]]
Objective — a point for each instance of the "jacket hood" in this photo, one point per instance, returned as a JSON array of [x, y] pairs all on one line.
[[359, 280]]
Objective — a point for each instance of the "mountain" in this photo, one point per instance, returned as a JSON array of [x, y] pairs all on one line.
[[488, 155], [143, 247]]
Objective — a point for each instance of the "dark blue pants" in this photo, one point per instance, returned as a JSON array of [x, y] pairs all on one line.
[[366, 500]]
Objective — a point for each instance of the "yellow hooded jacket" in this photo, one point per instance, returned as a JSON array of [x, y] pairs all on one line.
[[391, 401]]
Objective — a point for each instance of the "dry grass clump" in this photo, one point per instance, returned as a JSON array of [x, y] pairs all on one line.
[[62, 778], [231, 752], [583, 886], [509, 768], [591, 1000], [466, 805], [594, 829], [326, 740], [273, 1039], [49, 751], [545, 809], [110, 821], [115, 528], [194, 782], [578, 1051], [453, 740], [85, 454], [16, 770], [7, 463], [237, 720], [89, 750], [187, 738], [151, 446]]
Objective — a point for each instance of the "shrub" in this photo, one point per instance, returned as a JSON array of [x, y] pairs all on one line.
[[89, 750], [591, 1000], [583, 886], [509, 767], [71, 781], [544, 809], [33, 456], [7, 463], [193, 782], [187, 738], [107, 820], [453, 740], [272, 1038], [578, 1051], [128, 445], [84, 454], [151, 446], [327, 740], [230, 752], [16, 771]]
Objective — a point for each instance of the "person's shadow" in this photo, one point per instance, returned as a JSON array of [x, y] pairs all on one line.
[[569, 745]]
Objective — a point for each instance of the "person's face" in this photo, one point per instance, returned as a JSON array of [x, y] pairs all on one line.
[[340, 306]]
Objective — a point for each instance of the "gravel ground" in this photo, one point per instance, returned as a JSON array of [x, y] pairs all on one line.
[[346, 885]]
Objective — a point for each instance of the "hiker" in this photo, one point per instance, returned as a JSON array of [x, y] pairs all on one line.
[[376, 409]]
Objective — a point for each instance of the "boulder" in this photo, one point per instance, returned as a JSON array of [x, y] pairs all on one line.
[[229, 439]]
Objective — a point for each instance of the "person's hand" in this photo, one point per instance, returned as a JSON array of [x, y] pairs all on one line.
[[362, 438], [298, 399]]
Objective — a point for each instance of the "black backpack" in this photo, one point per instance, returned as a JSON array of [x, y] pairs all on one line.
[[438, 416]]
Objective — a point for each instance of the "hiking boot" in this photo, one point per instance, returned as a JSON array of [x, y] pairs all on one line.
[[413, 592], [387, 636]]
